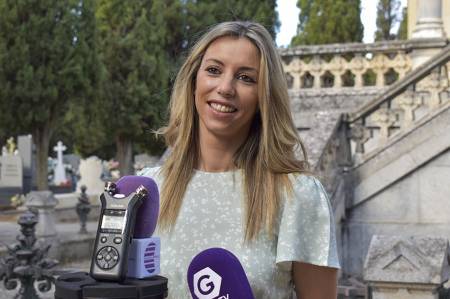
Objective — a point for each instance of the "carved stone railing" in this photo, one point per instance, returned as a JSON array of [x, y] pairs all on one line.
[[334, 161], [418, 95], [355, 65]]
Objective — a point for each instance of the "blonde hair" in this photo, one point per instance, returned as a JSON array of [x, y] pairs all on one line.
[[266, 157]]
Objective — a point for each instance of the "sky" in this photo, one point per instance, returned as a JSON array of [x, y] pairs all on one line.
[[288, 16]]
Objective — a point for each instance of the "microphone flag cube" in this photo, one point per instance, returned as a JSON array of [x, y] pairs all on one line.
[[144, 257]]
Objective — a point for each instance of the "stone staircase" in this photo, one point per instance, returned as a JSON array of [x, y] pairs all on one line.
[[382, 152], [397, 175]]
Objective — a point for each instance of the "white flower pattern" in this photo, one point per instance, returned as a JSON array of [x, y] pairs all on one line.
[[212, 216]]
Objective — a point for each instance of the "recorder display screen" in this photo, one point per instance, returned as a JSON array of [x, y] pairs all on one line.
[[113, 221]]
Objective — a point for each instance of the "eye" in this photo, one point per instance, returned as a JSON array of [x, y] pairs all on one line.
[[213, 70], [246, 78]]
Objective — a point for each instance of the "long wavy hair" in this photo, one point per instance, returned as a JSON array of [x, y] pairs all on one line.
[[267, 156]]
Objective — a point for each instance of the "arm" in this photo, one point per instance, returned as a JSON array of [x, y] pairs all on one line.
[[314, 282]]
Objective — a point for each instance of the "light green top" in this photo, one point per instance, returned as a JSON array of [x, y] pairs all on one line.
[[212, 216]]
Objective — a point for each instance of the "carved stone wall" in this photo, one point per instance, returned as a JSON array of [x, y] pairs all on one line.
[[416, 204], [316, 113]]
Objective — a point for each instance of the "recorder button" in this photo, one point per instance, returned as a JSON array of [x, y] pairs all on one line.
[[103, 239], [117, 240]]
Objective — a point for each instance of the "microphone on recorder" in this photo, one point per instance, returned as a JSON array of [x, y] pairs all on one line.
[[144, 251], [216, 273], [147, 215]]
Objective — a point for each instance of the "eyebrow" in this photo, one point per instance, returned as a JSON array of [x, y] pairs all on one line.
[[243, 68]]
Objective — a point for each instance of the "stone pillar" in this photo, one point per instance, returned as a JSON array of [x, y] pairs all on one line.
[[429, 20], [428, 25], [406, 267], [43, 202]]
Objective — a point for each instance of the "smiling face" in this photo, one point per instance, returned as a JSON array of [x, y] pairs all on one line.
[[226, 92]]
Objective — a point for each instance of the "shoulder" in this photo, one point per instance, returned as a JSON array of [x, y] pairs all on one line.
[[308, 200], [307, 228], [149, 171], [152, 172], [307, 187]]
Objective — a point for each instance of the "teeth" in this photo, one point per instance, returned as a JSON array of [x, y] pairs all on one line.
[[222, 108]]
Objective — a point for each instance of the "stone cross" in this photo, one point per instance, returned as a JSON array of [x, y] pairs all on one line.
[[60, 173]]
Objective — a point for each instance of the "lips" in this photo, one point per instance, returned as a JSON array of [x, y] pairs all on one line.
[[223, 108]]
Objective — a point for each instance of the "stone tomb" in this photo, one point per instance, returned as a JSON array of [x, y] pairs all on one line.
[[91, 171], [413, 267], [11, 178], [27, 154]]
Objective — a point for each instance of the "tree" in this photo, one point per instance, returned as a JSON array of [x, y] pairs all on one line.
[[187, 20], [402, 32], [328, 21], [263, 12], [45, 55], [134, 92], [387, 17]]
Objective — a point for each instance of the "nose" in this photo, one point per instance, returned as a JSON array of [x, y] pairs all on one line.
[[226, 86]]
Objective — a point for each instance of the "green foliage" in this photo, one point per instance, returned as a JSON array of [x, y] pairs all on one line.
[[46, 66], [402, 32], [387, 17], [134, 92], [45, 60], [187, 20], [88, 72], [328, 21], [203, 13]]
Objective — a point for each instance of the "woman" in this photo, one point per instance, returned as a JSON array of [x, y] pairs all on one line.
[[232, 179]]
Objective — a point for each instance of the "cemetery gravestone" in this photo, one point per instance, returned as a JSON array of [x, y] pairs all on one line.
[[60, 173], [11, 172], [90, 175], [73, 161], [25, 146], [11, 178]]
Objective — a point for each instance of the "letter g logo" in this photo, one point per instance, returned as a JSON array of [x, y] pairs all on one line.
[[207, 284]]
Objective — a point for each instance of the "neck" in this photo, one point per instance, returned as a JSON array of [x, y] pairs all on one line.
[[217, 153]]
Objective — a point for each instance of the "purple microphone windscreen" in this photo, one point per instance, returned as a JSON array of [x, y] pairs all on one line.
[[147, 216], [217, 273]]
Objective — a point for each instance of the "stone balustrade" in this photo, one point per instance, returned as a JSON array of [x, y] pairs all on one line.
[[417, 97], [354, 65]]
